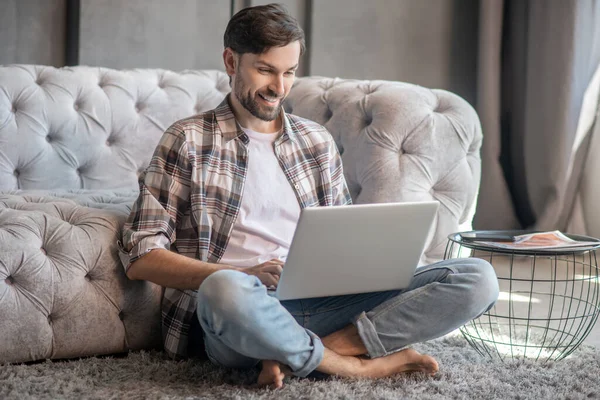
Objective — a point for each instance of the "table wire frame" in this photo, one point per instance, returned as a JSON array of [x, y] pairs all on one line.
[[548, 303]]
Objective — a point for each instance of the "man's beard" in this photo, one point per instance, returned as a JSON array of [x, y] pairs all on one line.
[[260, 111]]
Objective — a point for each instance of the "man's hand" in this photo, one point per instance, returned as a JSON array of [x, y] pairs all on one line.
[[268, 272]]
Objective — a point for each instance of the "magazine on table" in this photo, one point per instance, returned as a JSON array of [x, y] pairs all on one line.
[[539, 240]]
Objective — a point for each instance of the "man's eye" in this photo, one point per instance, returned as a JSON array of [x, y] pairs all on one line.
[[290, 73], [263, 71]]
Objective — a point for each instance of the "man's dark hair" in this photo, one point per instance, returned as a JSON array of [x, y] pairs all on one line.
[[257, 29]]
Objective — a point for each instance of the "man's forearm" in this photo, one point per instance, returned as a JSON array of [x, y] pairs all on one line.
[[169, 269]]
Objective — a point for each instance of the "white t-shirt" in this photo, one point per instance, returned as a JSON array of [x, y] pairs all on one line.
[[269, 210]]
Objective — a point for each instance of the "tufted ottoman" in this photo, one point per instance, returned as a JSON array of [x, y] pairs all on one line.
[[73, 142], [62, 295]]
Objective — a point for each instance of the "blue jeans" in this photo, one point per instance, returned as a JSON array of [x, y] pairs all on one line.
[[244, 324]]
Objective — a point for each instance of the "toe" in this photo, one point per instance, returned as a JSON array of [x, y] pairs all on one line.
[[278, 383]]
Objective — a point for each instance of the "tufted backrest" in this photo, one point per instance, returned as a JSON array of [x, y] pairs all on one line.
[[96, 128], [91, 128]]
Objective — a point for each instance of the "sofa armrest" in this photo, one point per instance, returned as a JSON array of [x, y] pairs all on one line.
[[63, 290], [401, 142]]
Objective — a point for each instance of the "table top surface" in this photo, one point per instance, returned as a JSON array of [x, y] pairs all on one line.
[[457, 239]]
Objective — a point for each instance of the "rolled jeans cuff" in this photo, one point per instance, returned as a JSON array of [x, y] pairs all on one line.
[[316, 356], [368, 334]]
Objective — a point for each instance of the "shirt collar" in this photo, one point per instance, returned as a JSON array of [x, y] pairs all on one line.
[[231, 129]]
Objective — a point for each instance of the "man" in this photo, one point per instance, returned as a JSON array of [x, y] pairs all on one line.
[[225, 188]]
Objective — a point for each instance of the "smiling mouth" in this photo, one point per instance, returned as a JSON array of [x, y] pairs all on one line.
[[270, 100]]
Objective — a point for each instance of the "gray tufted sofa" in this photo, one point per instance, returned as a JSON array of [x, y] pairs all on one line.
[[74, 140]]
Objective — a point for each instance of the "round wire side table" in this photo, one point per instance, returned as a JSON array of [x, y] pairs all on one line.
[[549, 299]]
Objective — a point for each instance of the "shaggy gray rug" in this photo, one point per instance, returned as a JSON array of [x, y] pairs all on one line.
[[463, 375]]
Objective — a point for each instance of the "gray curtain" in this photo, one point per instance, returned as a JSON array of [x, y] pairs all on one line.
[[536, 62]]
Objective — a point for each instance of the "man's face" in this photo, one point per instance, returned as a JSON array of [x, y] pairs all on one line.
[[262, 81]]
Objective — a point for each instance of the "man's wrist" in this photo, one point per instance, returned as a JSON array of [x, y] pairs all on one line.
[[231, 267]]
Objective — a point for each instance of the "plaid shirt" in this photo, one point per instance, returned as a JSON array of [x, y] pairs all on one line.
[[191, 193]]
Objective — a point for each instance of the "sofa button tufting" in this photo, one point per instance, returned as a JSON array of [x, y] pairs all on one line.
[[76, 107], [49, 319], [9, 280], [326, 86], [43, 251], [48, 138], [108, 143], [88, 277], [16, 173], [121, 315]]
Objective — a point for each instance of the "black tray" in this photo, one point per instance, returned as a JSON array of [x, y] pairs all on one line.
[[456, 238]]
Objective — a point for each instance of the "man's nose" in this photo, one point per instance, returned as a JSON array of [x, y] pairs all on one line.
[[277, 85]]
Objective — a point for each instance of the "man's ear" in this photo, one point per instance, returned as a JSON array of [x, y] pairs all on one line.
[[230, 60]]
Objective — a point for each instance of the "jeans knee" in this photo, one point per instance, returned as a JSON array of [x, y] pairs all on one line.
[[223, 293], [481, 283], [487, 284]]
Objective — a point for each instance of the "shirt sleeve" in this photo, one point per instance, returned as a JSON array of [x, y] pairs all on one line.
[[339, 188], [164, 196]]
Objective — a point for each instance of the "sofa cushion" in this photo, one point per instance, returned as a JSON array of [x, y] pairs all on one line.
[[59, 279], [119, 201]]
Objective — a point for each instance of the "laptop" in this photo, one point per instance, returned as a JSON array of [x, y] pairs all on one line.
[[355, 249]]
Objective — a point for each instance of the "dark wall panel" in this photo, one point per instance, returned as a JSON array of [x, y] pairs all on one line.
[[32, 32], [177, 34], [428, 42]]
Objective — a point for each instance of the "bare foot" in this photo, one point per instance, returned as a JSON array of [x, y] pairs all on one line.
[[272, 374], [407, 360]]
